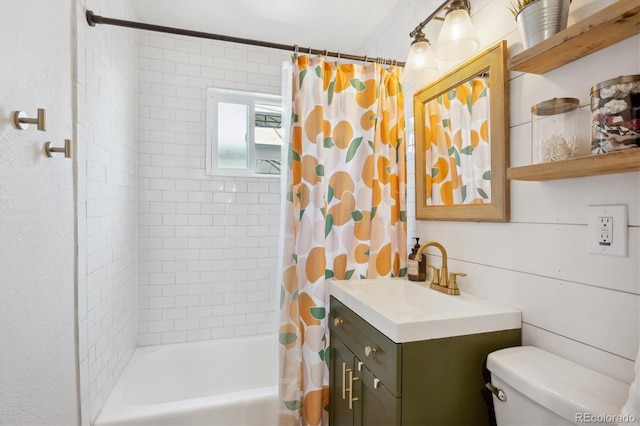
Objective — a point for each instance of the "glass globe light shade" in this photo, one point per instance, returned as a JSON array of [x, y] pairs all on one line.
[[421, 65], [458, 38]]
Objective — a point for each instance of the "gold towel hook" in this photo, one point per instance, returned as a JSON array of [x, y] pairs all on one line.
[[22, 122], [49, 150]]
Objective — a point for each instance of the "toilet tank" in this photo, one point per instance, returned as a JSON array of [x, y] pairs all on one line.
[[544, 389]]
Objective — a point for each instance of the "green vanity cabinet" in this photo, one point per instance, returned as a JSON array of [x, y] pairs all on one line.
[[356, 396], [375, 381]]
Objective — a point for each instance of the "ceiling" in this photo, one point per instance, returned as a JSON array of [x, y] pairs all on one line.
[[336, 25]]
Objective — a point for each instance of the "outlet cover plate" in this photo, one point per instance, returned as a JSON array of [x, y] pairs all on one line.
[[618, 230]]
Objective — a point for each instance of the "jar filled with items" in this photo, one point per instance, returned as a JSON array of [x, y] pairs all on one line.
[[554, 130], [615, 114]]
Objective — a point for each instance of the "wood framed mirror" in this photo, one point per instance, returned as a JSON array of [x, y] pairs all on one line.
[[462, 142]]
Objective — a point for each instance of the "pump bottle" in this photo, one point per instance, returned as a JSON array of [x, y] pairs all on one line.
[[417, 271]]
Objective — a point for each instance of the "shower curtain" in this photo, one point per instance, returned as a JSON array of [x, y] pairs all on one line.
[[344, 214]]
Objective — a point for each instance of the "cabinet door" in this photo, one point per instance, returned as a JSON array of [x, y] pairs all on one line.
[[377, 405], [342, 363]]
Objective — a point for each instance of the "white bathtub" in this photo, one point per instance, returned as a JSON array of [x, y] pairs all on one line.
[[220, 382]]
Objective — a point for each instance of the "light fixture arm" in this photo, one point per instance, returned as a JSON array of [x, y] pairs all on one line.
[[450, 5]]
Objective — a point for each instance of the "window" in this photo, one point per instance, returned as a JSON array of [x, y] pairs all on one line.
[[244, 133]]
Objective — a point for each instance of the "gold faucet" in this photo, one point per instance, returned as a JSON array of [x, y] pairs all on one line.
[[442, 280]]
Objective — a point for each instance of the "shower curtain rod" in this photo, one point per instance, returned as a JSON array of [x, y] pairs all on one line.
[[93, 19]]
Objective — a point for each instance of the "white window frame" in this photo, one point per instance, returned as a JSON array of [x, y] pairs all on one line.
[[216, 96]]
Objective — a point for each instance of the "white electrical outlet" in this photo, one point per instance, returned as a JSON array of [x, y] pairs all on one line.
[[607, 230]]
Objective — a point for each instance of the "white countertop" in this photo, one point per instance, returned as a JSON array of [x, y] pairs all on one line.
[[408, 311]]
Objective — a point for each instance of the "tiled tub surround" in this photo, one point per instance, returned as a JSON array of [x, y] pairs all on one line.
[[106, 157], [207, 260], [208, 245]]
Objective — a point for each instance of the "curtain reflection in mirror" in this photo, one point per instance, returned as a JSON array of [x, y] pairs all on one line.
[[457, 149]]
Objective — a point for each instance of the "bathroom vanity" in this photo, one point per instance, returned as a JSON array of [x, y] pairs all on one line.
[[403, 354]]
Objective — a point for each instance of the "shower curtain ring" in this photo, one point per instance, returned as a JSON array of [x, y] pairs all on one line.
[[364, 63], [325, 54]]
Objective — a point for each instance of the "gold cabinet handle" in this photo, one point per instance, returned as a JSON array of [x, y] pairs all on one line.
[[344, 380], [352, 379], [368, 350], [337, 322]]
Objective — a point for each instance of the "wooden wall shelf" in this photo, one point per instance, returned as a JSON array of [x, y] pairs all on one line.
[[615, 162], [611, 25]]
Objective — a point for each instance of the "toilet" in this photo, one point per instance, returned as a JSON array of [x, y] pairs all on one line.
[[534, 387]]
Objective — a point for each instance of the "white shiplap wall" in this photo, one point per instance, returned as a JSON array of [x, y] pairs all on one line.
[[581, 306]]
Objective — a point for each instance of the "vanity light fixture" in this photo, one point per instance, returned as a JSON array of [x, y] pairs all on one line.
[[457, 40]]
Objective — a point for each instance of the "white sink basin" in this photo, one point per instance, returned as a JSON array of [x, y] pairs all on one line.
[[406, 311]]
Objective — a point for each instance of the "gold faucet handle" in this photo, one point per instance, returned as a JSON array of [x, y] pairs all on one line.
[[436, 274], [452, 278]]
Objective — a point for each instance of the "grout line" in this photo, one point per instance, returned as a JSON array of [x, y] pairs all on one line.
[[578, 341], [541, 276]]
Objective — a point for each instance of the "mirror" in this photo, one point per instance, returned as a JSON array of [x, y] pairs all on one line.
[[462, 143]]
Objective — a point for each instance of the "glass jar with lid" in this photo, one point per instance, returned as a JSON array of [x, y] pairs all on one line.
[[554, 130], [615, 114]]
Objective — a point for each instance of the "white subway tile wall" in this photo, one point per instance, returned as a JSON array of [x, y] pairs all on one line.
[[208, 246], [106, 191]]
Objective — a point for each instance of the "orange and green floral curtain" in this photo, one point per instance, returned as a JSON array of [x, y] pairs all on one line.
[[458, 154], [345, 215]]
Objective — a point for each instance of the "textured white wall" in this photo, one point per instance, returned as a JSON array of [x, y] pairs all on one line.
[[107, 200], [578, 305], [37, 341], [208, 246]]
